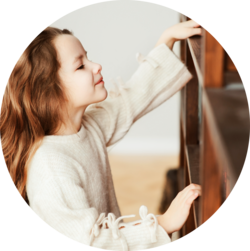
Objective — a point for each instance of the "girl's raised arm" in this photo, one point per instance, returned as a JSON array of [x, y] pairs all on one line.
[[160, 75]]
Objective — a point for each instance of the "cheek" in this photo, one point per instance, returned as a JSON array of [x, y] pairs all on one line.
[[82, 83], [81, 89]]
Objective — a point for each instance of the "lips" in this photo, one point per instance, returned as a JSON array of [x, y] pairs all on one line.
[[99, 80]]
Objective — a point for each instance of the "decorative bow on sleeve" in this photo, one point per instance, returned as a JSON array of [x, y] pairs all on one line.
[[150, 220], [113, 224], [96, 228]]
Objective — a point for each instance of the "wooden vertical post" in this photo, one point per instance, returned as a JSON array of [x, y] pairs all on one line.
[[191, 107], [214, 135], [213, 62], [182, 130], [210, 175], [212, 67], [189, 123]]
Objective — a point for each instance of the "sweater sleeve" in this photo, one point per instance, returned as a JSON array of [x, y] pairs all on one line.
[[61, 201], [159, 76]]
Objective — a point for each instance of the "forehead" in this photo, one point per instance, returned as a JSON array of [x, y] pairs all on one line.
[[68, 47]]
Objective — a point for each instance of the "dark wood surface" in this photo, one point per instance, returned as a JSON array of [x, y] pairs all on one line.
[[193, 164], [195, 44], [191, 104], [232, 77], [212, 59], [212, 65], [210, 174], [228, 118], [189, 120], [229, 65], [214, 125]]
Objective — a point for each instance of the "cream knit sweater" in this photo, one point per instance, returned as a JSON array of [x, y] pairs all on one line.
[[69, 179]]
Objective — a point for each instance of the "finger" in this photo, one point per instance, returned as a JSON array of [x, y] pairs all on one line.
[[194, 31], [191, 198], [187, 189], [191, 186], [198, 190]]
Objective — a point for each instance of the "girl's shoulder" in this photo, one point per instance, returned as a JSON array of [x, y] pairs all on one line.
[[53, 160]]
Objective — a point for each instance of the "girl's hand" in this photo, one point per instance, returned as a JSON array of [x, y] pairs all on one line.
[[176, 215], [178, 32]]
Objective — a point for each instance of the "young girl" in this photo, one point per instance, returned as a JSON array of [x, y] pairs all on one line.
[[55, 131]]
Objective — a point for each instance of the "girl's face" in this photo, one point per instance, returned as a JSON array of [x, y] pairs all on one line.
[[79, 75]]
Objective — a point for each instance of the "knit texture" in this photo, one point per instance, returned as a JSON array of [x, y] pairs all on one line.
[[69, 181]]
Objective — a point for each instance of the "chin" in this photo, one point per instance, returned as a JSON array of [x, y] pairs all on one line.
[[104, 96]]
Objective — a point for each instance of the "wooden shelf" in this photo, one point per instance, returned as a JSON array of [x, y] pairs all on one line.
[[232, 78], [228, 117], [193, 165], [232, 74], [214, 125], [196, 45]]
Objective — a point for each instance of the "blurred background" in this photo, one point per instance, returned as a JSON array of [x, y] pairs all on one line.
[[112, 33]]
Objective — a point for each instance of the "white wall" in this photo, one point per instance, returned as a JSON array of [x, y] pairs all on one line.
[[112, 33]]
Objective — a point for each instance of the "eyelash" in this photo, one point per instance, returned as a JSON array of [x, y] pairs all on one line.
[[81, 67]]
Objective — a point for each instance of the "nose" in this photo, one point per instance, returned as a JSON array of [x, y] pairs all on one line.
[[97, 68]]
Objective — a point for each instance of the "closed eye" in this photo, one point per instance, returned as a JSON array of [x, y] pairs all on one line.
[[81, 67]]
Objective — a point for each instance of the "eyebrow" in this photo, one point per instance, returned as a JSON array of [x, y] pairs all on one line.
[[79, 57]]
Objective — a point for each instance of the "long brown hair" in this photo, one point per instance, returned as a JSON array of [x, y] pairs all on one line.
[[32, 104]]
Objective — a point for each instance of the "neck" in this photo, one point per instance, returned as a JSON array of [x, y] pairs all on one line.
[[69, 130], [72, 123]]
